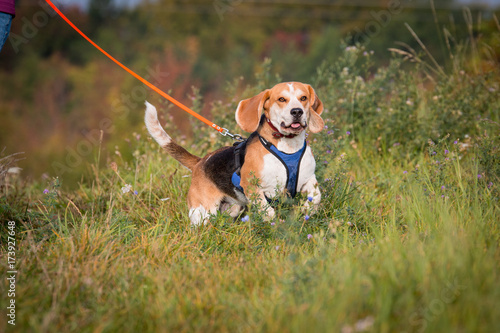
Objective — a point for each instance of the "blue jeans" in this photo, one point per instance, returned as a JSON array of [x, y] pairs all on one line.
[[5, 22]]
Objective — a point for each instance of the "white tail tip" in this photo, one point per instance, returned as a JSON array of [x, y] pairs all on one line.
[[154, 127]]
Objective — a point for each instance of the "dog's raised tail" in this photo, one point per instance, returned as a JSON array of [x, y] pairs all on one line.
[[165, 141]]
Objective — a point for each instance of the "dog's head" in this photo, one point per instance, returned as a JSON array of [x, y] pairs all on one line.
[[291, 107]]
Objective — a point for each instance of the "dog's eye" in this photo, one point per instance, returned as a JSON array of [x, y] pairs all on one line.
[[303, 98], [282, 99]]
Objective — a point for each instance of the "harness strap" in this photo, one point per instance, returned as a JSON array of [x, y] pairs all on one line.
[[291, 162], [236, 176], [239, 158]]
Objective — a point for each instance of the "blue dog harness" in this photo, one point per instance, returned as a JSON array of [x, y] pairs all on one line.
[[291, 162]]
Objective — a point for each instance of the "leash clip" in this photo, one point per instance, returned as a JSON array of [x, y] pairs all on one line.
[[235, 137]]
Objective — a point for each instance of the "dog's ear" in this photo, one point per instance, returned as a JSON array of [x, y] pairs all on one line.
[[249, 111], [316, 123], [316, 104]]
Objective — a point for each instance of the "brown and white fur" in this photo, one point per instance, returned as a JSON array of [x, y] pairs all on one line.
[[290, 108]]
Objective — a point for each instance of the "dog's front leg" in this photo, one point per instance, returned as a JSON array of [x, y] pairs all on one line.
[[269, 211], [311, 189], [198, 216], [256, 196]]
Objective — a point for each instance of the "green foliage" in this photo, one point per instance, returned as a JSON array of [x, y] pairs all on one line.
[[57, 87], [390, 108], [110, 250], [406, 237]]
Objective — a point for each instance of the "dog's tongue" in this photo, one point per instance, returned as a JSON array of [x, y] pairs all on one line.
[[296, 125]]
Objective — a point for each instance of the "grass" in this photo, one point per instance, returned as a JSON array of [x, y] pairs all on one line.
[[406, 238], [98, 259]]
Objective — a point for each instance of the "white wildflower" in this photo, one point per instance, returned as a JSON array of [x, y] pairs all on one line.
[[127, 188], [14, 170]]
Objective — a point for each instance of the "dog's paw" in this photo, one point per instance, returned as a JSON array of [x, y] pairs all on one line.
[[198, 216], [269, 213]]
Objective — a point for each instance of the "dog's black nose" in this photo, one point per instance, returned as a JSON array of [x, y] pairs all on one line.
[[297, 113]]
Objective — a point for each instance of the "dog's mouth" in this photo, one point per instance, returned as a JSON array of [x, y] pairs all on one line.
[[294, 127]]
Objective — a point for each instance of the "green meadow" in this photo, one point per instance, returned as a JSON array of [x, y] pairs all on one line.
[[406, 238]]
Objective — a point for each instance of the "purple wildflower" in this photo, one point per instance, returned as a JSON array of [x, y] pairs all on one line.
[[348, 133], [273, 224], [490, 184], [455, 142], [310, 199], [443, 187], [405, 172], [277, 247], [479, 176], [309, 236], [135, 192], [446, 151], [306, 217], [246, 218], [46, 191]]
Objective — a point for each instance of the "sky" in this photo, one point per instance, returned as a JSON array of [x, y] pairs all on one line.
[[492, 3], [84, 3]]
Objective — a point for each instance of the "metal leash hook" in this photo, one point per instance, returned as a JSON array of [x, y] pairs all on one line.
[[235, 137]]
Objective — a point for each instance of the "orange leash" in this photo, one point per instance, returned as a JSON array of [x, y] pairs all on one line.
[[221, 130]]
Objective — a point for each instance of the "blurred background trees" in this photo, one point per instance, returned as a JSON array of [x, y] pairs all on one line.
[[57, 91]]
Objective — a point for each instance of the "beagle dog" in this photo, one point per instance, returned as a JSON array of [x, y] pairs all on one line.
[[276, 154]]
